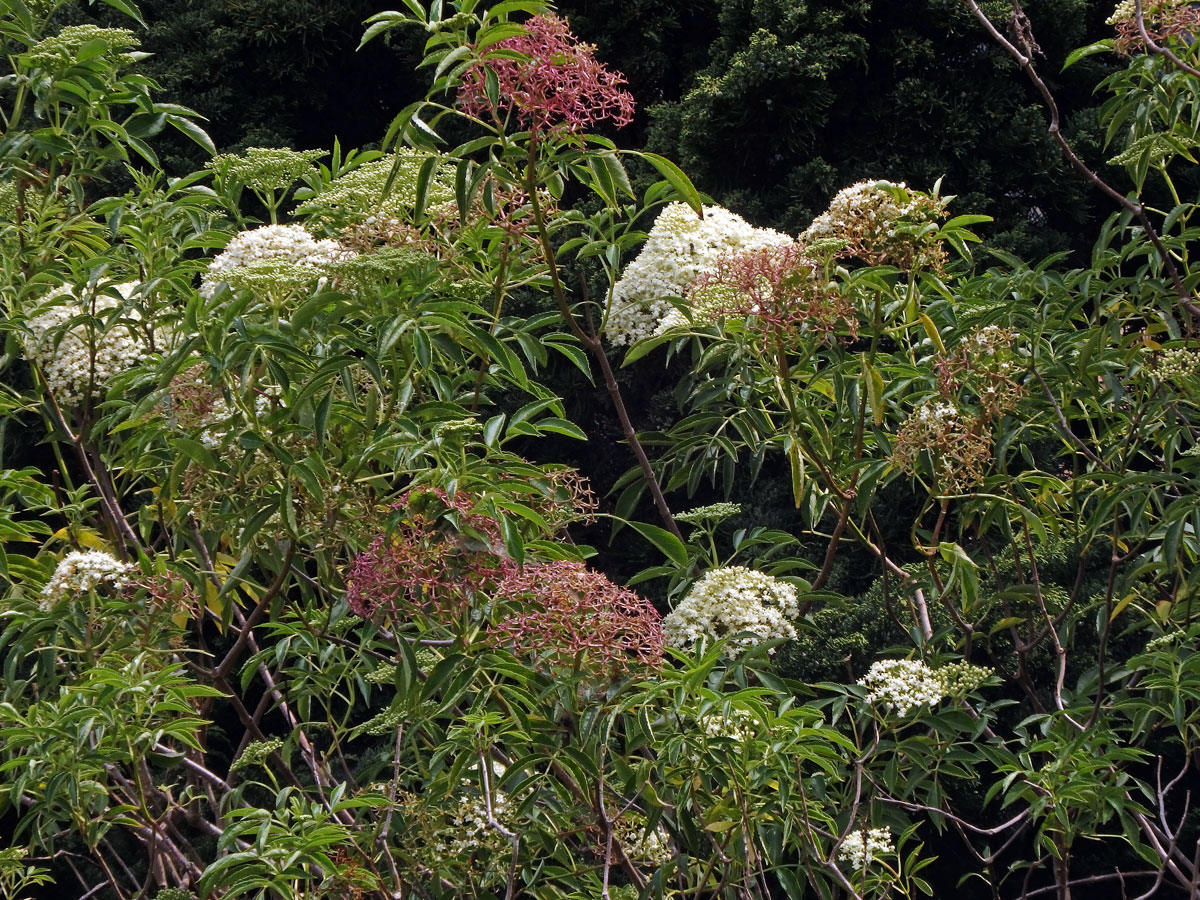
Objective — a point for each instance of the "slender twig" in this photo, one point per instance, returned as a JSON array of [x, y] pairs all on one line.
[[1155, 48], [1025, 61], [595, 346], [260, 609]]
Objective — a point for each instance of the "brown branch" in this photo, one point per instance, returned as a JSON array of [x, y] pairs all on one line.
[[256, 614], [596, 347], [1155, 48], [1025, 61], [1065, 426]]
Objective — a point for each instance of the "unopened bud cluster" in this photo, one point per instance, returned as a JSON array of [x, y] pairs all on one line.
[[62, 49], [713, 514], [1175, 364], [380, 193], [266, 168], [257, 753]]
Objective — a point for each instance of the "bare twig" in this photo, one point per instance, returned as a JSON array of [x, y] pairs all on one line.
[[1024, 60]]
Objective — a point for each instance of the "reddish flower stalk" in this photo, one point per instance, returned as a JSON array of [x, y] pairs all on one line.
[[561, 86], [566, 616], [1163, 20], [435, 561], [780, 289]]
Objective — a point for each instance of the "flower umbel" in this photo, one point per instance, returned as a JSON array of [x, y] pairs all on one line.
[[107, 337], [270, 245], [81, 571], [731, 600], [560, 86], [902, 685], [778, 290], [680, 248], [435, 560], [567, 615], [862, 847]]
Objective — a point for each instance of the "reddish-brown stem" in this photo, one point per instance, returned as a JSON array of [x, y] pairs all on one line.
[[596, 347], [1159, 49], [1025, 61]]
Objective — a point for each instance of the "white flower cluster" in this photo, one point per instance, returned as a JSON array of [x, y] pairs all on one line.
[[902, 684], [862, 847], [80, 571], [731, 600], [738, 725], [290, 245], [679, 248], [79, 359], [937, 412], [644, 848], [473, 832], [1126, 10], [864, 219]]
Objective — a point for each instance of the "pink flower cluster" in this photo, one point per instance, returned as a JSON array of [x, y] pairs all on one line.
[[780, 288], [559, 85], [567, 616], [440, 555]]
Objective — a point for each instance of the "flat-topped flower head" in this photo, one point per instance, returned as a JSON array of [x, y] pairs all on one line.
[[81, 571], [730, 601], [901, 685], [679, 249], [379, 193], [713, 514], [566, 615], [283, 251], [557, 84], [62, 49], [266, 168]]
